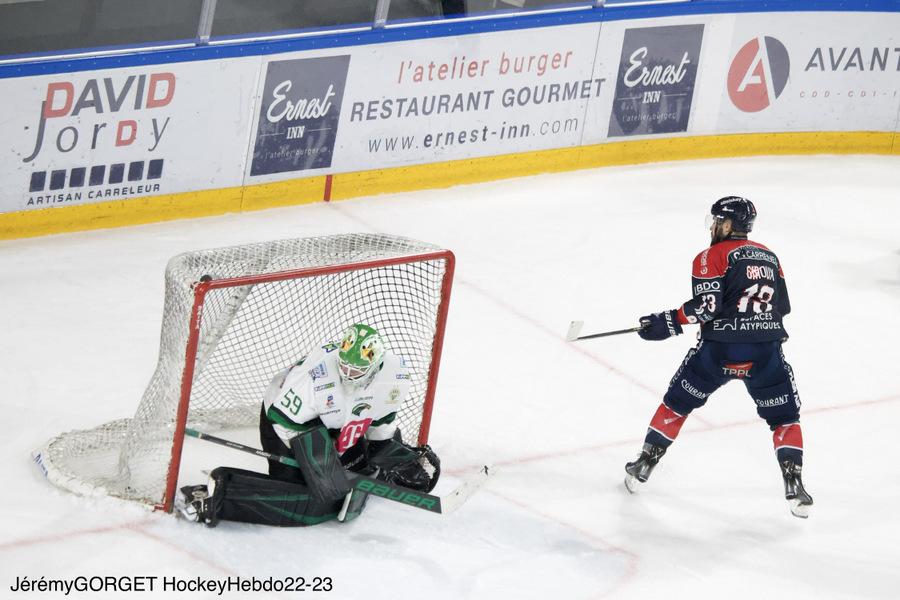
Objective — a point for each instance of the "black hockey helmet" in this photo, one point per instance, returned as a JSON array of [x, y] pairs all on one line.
[[740, 210]]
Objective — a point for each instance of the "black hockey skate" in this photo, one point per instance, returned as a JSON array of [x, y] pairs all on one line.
[[639, 470], [194, 505], [798, 499]]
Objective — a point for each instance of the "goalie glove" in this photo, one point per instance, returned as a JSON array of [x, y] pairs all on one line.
[[417, 468]]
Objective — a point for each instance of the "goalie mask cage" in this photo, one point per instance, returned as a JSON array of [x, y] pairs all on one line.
[[234, 317]]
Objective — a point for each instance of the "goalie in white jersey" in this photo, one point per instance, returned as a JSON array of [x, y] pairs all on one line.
[[353, 391], [335, 409]]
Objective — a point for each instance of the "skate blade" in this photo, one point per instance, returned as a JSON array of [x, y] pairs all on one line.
[[632, 484], [799, 510], [186, 511]]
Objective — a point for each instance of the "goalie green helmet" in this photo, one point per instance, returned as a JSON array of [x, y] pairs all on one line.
[[360, 352]]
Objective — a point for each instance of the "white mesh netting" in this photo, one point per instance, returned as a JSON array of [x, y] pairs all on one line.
[[247, 334]]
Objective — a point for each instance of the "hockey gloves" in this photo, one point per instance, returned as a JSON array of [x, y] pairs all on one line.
[[660, 326], [417, 468]]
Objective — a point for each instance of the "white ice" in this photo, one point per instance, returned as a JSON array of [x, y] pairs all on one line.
[[80, 328]]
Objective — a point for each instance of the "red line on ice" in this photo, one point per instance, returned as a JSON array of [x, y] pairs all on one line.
[[47, 539], [638, 440]]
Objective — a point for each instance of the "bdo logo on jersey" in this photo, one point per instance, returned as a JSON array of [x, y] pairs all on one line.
[[758, 74]]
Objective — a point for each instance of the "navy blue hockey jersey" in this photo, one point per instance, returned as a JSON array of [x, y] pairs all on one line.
[[739, 293]]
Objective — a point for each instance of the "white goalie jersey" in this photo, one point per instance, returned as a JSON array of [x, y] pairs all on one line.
[[311, 391]]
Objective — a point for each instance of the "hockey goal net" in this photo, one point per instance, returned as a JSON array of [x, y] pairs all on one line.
[[232, 318]]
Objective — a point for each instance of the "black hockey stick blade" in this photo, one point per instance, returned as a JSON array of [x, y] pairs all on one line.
[[383, 489], [575, 329]]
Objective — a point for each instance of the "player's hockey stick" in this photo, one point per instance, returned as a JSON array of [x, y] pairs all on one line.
[[575, 329], [445, 504]]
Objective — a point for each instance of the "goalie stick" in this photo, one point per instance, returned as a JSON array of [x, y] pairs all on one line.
[[575, 329], [443, 505]]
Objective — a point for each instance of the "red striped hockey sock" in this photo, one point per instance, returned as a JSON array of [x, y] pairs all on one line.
[[788, 441], [664, 426]]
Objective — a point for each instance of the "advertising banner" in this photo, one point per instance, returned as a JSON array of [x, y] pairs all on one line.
[[123, 133], [425, 101], [655, 68], [655, 80], [298, 117], [811, 72]]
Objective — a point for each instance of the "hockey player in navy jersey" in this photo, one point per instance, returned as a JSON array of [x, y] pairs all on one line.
[[739, 300]]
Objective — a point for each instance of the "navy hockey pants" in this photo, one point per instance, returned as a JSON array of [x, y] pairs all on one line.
[[761, 366]]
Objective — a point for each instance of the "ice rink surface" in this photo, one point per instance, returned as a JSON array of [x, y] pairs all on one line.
[[81, 316]]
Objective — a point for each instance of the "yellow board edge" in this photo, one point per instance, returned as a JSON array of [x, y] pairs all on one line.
[[477, 170], [119, 213], [186, 205], [284, 193]]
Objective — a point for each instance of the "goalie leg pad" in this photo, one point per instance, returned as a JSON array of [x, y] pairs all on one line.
[[249, 497], [353, 506]]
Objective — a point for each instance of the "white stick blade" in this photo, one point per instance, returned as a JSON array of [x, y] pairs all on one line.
[[574, 330], [472, 484]]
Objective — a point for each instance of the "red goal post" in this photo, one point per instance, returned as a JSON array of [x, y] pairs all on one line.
[[233, 317]]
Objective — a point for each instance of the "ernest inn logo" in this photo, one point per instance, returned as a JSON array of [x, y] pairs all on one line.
[[299, 114], [655, 83]]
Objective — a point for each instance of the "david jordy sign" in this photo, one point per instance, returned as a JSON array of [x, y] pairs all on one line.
[[94, 138], [67, 105], [655, 83], [299, 112]]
